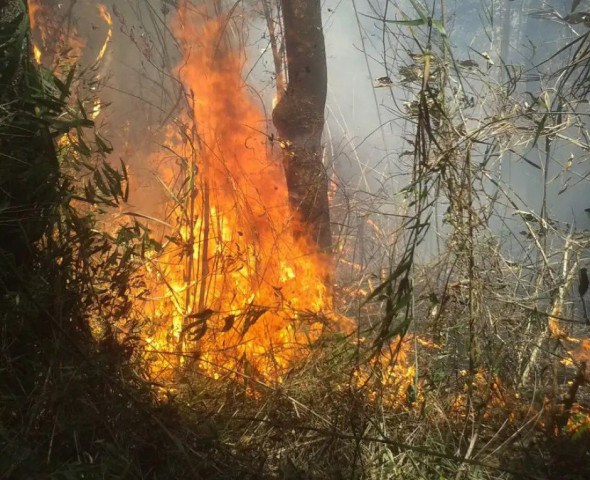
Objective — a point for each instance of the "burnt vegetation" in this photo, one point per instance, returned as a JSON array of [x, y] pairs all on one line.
[[469, 361]]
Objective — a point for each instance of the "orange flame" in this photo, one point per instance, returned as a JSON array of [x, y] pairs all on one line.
[[34, 10], [52, 45], [106, 16], [234, 288], [37, 53]]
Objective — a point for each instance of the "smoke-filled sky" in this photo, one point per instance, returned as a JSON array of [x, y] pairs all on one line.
[[521, 32], [364, 132]]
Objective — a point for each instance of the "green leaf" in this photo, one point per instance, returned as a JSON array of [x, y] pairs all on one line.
[[89, 192], [438, 25], [103, 147], [99, 182], [420, 10], [410, 23], [12, 39], [126, 180], [401, 328], [80, 146], [65, 125], [539, 130], [398, 272], [65, 87]]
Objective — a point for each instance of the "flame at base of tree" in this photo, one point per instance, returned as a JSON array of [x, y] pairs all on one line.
[[54, 45], [233, 288]]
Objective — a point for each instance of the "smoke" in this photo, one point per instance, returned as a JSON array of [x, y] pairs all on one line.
[[364, 124], [365, 135]]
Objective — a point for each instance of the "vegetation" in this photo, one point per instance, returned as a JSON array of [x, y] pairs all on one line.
[[72, 406], [469, 365]]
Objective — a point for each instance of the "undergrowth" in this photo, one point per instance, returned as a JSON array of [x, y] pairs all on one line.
[[71, 403]]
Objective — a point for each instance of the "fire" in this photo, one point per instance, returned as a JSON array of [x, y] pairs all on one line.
[[106, 16], [234, 290], [34, 11], [53, 44], [37, 53], [96, 109], [390, 377]]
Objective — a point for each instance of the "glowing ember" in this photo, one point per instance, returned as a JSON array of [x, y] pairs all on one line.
[[37, 53], [96, 109]]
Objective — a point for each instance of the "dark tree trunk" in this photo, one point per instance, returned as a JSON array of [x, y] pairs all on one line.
[[299, 118]]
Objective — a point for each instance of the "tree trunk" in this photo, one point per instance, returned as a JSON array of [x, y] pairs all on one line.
[[299, 119]]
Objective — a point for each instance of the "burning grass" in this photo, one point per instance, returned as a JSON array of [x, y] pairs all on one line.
[[233, 288]]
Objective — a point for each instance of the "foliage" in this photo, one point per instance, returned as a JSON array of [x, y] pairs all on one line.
[[495, 305], [72, 404]]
